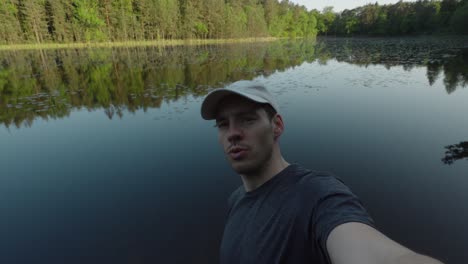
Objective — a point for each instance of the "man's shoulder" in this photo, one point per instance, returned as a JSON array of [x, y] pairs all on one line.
[[236, 195], [315, 183], [308, 176]]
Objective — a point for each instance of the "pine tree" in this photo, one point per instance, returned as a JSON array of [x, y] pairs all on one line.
[[32, 19], [10, 31]]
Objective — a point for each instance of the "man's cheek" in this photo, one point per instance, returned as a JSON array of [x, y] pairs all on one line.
[[220, 140]]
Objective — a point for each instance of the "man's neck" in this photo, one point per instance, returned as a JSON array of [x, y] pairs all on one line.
[[252, 182]]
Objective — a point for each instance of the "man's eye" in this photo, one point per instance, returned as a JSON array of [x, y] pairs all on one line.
[[248, 119], [221, 124]]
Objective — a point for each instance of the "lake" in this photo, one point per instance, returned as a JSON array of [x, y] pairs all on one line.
[[104, 157]]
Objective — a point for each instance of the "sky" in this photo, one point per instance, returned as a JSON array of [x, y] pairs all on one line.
[[340, 5]]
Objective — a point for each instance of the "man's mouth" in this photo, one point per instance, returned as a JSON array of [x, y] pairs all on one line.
[[237, 153]]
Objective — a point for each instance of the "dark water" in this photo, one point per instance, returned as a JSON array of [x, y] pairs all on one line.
[[105, 159]]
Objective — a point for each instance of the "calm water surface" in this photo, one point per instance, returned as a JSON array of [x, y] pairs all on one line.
[[104, 157]]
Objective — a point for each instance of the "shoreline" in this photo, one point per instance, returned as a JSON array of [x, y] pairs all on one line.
[[146, 43]]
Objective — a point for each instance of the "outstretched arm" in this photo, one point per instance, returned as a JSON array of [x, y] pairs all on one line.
[[356, 243]]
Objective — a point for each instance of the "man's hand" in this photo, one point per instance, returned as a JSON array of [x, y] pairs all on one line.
[[356, 243]]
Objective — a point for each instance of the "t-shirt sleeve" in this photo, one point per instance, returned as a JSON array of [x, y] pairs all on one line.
[[335, 204]]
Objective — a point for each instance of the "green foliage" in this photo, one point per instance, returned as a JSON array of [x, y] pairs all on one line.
[[10, 31], [447, 8], [459, 21], [324, 19], [236, 21], [256, 25], [87, 16], [65, 21], [311, 30], [86, 13], [213, 18], [328, 16], [401, 18], [201, 30], [32, 19]]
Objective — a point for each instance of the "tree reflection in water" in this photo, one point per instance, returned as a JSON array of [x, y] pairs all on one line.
[[51, 84], [456, 152]]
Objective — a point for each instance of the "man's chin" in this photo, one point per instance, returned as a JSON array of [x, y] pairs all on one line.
[[242, 167]]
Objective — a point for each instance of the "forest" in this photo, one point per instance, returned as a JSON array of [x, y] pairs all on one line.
[[403, 18], [78, 21], [65, 21]]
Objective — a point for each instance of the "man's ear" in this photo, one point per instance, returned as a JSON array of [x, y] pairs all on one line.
[[278, 126]]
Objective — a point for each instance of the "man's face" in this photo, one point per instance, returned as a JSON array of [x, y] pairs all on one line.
[[246, 134]]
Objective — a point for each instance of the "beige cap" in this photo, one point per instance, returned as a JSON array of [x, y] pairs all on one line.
[[251, 90]]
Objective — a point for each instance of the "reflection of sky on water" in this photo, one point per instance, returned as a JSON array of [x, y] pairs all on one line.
[[110, 190], [383, 131], [150, 186]]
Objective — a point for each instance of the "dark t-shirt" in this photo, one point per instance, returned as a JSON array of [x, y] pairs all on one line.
[[288, 218]]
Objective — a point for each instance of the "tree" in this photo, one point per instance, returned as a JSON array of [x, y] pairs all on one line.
[[212, 13], [279, 23], [350, 22], [271, 11], [60, 20], [10, 31], [300, 22], [397, 13], [86, 14], [164, 18], [32, 19], [311, 30], [380, 26], [236, 21], [192, 25], [256, 25], [426, 15], [368, 17], [328, 17], [459, 20], [447, 8]]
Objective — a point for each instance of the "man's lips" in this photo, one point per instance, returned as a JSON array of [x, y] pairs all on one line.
[[237, 152]]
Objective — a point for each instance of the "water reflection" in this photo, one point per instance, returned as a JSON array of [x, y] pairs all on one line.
[[449, 56], [454, 64], [52, 83], [456, 152], [49, 84]]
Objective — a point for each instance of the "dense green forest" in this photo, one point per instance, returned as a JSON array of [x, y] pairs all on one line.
[[65, 21], [71, 21], [402, 18]]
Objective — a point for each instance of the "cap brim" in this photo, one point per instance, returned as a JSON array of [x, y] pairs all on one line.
[[211, 101]]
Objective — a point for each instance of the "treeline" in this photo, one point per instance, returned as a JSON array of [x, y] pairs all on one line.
[[66, 21], [402, 18]]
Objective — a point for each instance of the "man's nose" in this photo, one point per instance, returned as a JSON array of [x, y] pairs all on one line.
[[235, 133]]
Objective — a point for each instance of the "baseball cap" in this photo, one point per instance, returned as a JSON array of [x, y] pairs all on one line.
[[252, 90]]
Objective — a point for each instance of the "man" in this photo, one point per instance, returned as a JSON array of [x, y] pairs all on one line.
[[285, 213]]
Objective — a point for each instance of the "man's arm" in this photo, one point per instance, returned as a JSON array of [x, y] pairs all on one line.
[[356, 243]]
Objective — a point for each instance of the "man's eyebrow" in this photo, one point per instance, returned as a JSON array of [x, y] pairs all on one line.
[[251, 111], [244, 113]]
